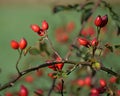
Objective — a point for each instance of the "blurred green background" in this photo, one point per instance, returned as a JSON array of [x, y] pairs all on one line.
[[15, 20]]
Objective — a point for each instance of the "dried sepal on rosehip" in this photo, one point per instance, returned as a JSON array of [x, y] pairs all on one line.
[[22, 43], [23, 91], [45, 25], [14, 44], [35, 27]]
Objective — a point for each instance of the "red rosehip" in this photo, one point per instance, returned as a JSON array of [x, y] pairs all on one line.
[[83, 41], [14, 44], [29, 79], [113, 79], [88, 81], [102, 83], [118, 92], [104, 20], [45, 25], [8, 94], [52, 75], [98, 21], [23, 91], [94, 91], [80, 82], [94, 42], [53, 67], [39, 92], [35, 27], [60, 65], [22, 43]]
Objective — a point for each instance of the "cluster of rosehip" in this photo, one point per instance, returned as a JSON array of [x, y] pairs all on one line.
[[40, 31], [99, 22], [16, 45]]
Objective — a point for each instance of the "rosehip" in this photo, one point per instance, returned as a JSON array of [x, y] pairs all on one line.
[[14, 44], [104, 20], [118, 92], [94, 91], [39, 92], [60, 65], [45, 25], [35, 28], [8, 94], [80, 82], [29, 79], [23, 91], [83, 41], [102, 83], [88, 81], [22, 43], [94, 42], [113, 79], [98, 21]]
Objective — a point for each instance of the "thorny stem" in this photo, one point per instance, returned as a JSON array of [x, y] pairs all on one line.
[[52, 87], [19, 58]]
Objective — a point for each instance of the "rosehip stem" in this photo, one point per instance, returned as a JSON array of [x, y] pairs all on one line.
[[51, 45], [52, 87], [62, 87], [19, 58], [98, 32]]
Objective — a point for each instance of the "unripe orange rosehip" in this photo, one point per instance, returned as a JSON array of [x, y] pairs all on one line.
[[98, 21], [45, 25], [22, 43], [35, 27], [23, 91], [83, 42], [14, 44]]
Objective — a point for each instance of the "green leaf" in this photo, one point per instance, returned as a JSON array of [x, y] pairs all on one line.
[[109, 47], [117, 46], [34, 51], [86, 14], [59, 8]]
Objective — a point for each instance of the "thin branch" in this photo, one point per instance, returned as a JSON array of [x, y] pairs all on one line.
[[52, 87], [62, 87]]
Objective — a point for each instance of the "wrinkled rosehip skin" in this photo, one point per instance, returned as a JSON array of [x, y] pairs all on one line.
[[14, 44], [98, 21], [35, 27], [23, 91], [45, 25], [23, 44]]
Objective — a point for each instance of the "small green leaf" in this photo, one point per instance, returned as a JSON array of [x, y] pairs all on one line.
[[109, 47], [34, 51], [117, 46]]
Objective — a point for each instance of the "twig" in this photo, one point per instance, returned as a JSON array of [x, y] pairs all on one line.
[[62, 87]]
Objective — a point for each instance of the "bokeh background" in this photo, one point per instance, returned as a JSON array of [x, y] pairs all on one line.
[[16, 16]]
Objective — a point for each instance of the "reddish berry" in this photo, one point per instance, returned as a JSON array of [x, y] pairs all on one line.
[[87, 81], [22, 43], [45, 25], [53, 67], [39, 92], [118, 92], [102, 83], [98, 21], [14, 44], [35, 28], [94, 42], [70, 26], [23, 91], [8, 94], [94, 91], [29, 79], [83, 41], [52, 75], [104, 20], [80, 82], [101, 90], [60, 65], [113, 79]]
